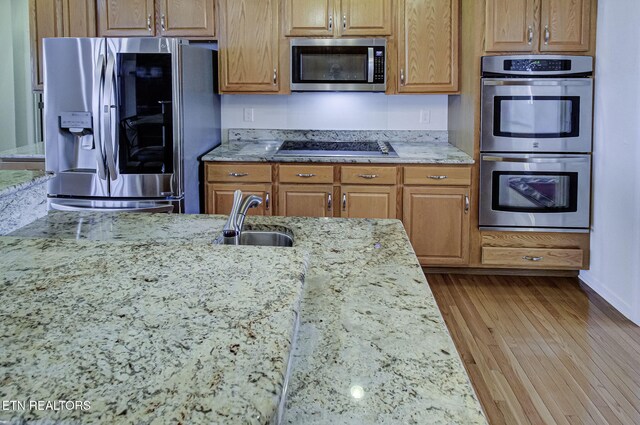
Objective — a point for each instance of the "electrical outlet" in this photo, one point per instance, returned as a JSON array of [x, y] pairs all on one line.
[[248, 115], [425, 116]]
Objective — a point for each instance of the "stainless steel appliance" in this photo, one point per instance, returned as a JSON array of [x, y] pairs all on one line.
[[328, 64], [327, 148], [542, 192], [537, 103], [126, 121]]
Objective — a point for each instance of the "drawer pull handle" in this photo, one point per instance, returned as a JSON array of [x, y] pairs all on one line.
[[149, 22], [529, 258], [306, 176], [437, 177], [344, 202], [466, 204], [238, 174], [266, 201], [368, 176], [329, 202]]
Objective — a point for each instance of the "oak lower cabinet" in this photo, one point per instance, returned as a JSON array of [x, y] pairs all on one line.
[[249, 46], [57, 18], [437, 222], [219, 197], [297, 200], [428, 46], [534, 26], [149, 18], [368, 201]]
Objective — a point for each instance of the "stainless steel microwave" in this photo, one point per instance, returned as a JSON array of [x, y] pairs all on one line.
[[357, 64]]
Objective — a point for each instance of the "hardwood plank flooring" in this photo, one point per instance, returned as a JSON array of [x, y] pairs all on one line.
[[542, 350]]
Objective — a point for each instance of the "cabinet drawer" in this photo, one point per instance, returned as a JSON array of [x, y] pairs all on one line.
[[438, 176], [368, 175], [254, 173], [306, 174], [533, 258]]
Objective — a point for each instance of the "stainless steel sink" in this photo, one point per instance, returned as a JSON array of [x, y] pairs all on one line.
[[261, 238]]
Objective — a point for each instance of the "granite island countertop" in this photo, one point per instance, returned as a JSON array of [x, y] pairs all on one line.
[[372, 346], [412, 147], [23, 198], [147, 332], [12, 181]]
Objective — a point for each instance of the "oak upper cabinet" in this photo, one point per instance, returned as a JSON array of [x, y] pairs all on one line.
[[537, 25], [565, 25], [436, 210], [249, 46], [428, 44], [326, 18], [137, 18], [126, 18], [57, 18]]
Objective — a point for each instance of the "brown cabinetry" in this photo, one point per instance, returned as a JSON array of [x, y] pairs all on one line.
[[427, 36], [219, 197], [328, 18], [305, 200], [368, 201], [171, 18], [249, 46], [57, 18], [537, 25]]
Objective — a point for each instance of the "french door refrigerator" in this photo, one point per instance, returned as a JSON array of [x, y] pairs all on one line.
[[126, 121]]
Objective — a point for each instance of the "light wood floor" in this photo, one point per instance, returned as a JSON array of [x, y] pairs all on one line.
[[543, 350]]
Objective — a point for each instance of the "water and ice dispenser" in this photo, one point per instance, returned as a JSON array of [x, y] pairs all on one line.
[[79, 124]]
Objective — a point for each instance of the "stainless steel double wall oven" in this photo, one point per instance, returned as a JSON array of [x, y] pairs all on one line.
[[536, 138], [126, 121]]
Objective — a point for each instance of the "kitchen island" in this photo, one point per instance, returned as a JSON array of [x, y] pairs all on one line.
[[23, 198], [372, 347]]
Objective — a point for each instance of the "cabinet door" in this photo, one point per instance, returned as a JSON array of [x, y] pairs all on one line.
[[368, 202], [309, 17], [79, 18], [565, 25], [510, 26], [45, 21], [437, 222], [296, 200], [428, 46], [126, 18], [219, 197], [192, 18], [248, 46], [365, 17]]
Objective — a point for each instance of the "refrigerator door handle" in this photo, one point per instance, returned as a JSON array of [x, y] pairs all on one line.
[[153, 209], [107, 114], [97, 136]]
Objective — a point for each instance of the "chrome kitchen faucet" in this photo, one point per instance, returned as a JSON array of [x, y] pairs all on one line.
[[233, 227]]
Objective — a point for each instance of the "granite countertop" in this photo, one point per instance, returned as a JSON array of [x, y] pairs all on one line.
[[34, 151], [372, 346], [12, 181], [147, 333], [413, 147]]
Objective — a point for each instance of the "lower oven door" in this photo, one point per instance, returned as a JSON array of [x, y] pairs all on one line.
[[542, 192]]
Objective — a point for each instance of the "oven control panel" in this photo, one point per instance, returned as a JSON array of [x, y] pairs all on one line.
[[534, 65], [537, 65]]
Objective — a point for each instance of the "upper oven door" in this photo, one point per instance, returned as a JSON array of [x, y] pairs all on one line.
[[338, 65], [536, 115]]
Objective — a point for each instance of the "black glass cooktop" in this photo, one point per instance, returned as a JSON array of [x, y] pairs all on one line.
[[328, 148]]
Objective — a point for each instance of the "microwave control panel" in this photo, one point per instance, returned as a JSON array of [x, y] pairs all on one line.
[[378, 64]]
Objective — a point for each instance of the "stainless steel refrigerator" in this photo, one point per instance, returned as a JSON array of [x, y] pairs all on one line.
[[126, 121]]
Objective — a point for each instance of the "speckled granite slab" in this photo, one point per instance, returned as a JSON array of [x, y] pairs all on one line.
[[34, 151], [424, 152], [372, 347], [23, 198], [146, 332]]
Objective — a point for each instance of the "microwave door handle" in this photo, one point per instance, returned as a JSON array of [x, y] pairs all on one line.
[[552, 160], [97, 123], [107, 114], [370, 77]]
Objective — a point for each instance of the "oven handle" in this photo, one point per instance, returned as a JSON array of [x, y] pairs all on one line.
[[538, 82], [552, 160]]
